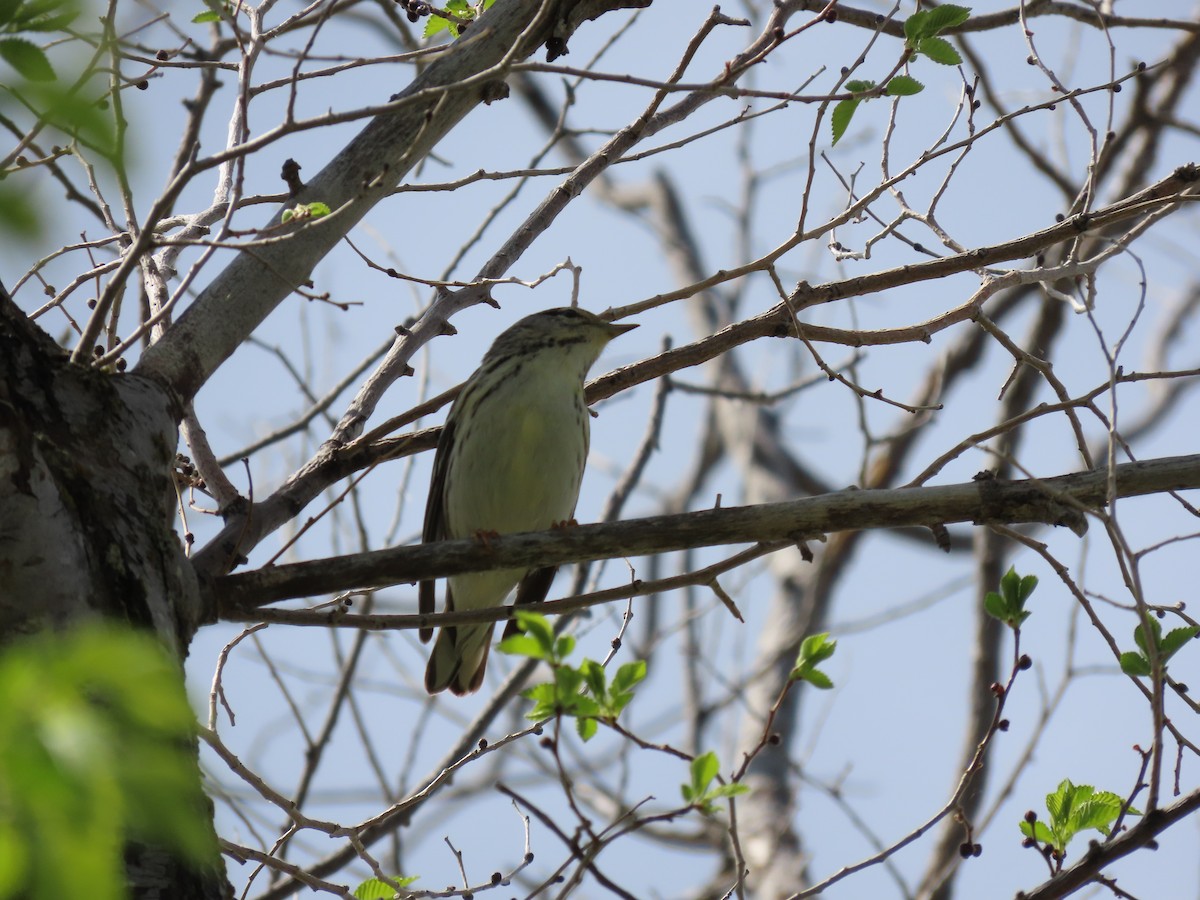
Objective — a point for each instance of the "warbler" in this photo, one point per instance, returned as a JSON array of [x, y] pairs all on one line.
[[510, 459]]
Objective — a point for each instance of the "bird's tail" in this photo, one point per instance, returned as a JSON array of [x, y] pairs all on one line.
[[458, 659]]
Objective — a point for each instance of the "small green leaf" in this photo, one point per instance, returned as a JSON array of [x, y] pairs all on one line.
[[1009, 605], [1175, 640], [939, 50], [818, 679], [1135, 664], [840, 120], [1139, 633], [27, 58], [916, 27], [629, 675], [586, 727], [814, 649], [1039, 831], [593, 677], [859, 86], [704, 769], [375, 889], [727, 790], [564, 646], [209, 15], [903, 86], [537, 627], [522, 645], [947, 16]]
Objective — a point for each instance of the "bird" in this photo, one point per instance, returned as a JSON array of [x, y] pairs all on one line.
[[510, 458]]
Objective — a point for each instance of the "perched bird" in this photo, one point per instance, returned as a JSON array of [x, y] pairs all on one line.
[[510, 459]]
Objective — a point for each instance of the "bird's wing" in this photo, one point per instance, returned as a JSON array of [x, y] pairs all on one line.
[[435, 521]]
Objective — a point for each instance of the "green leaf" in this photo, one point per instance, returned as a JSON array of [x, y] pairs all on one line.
[[925, 24], [209, 15], [1075, 808], [18, 215], [1139, 633], [817, 679], [538, 627], [522, 645], [939, 50], [27, 58], [814, 649], [859, 86], [840, 120], [948, 16], [594, 678], [1135, 664], [95, 731], [375, 889], [586, 727], [437, 24], [916, 27], [903, 86], [628, 676], [1175, 639], [1099, 811], [727, 790], [703, 770], [564, 647], [1039, 831], [544, 701], [1009, 605]]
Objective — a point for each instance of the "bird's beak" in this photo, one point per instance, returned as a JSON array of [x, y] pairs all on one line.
[[616, 329]]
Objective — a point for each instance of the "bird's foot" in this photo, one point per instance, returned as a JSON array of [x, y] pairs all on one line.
[[485, 537]]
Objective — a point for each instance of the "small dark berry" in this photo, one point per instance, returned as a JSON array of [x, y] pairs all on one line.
[[1002, 725], [496, 878], [1024, 662], [964, 850], [1116, 88], [142, 85], [483, 744], [162, 55]]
